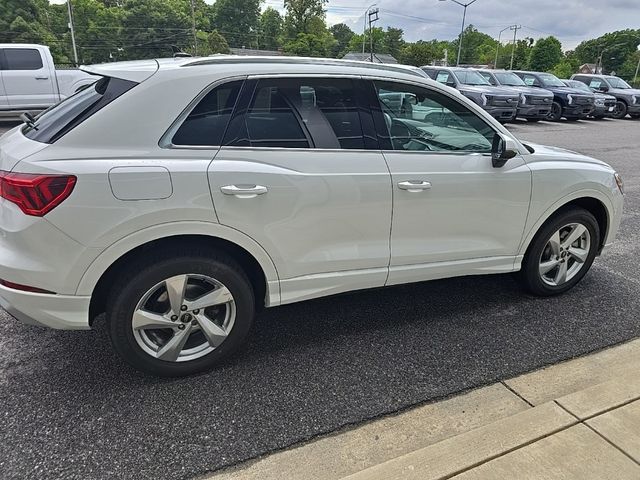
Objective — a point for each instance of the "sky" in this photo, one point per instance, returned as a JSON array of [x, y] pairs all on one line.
[[572, 21]]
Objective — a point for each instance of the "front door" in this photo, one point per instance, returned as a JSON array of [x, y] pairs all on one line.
[[300, 171], [27, 78], [452, 209]]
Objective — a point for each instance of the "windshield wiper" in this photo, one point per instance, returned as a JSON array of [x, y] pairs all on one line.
[[29, 119]]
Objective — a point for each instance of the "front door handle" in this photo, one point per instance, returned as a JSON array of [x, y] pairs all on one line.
[[42, 78], [414, 186], [244, 191]]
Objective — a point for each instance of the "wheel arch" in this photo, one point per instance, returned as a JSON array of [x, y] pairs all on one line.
[[254, 260], [593, 201]]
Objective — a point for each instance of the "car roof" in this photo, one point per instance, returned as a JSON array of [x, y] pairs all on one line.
[[140, 70]]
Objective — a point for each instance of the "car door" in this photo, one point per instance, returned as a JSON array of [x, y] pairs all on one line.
[[4, 102], [453, 212], [27, 78], [301, 172]]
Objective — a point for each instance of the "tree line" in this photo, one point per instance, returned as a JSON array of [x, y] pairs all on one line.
[[110, 30]]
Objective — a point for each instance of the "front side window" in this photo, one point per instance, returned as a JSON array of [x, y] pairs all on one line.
[[301, 113], [530, 80], [207, 122], [549, 80], [487, 76], [597, 83], [445, 77], [510, 79], [471, 77], [431, 121], [22, 59], [616, 82]]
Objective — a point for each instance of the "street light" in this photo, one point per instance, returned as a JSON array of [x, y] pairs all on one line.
[[464, 17], [495, 64]]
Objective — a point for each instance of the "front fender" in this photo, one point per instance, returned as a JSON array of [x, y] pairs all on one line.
[[115, 251]]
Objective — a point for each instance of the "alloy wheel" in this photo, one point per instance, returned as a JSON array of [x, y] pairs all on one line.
[[183, 318], [565, 254]]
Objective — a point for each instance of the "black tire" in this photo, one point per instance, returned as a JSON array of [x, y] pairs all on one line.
[[620, 111], [143, 275], [556, 112], [533, 120], [530, 273]]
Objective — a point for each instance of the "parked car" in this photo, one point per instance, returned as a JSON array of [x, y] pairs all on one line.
[[628, 98], [501, 103], [29, 81], [604, 106], [181, 196], [535, 103], [569, 103]]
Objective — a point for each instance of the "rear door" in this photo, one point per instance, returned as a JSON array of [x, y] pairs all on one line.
[[4, 101], [301, 173], [28, 78]]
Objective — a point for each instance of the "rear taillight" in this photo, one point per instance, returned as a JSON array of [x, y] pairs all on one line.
[[24, 288], [36, 194]]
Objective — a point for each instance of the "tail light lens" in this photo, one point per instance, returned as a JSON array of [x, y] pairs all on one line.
[[35, 194], [24, 288]]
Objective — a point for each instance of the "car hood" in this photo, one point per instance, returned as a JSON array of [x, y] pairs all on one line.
[[540, 92], [543, 153], [567, 90], [603, 96], [624, 91]]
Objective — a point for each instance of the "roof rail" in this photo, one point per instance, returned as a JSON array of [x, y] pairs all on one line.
[[238, 59]]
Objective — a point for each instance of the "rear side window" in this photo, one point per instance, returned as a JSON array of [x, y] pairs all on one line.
[[58, 120], [207, 122], [22, 59]]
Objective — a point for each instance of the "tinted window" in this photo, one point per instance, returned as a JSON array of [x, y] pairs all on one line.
[[616, 82], [301, 113], [208, 121], [56, 121], [22, 59], [508, 78], [431, 121], [471, 77]]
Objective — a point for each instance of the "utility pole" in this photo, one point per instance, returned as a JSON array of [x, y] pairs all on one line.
[[464, 17], [193, 29], [364, 28], [373, 17], [635, 77], [73, 34], [515, 29]]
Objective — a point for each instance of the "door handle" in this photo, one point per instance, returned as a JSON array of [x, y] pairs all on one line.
[[42, 78], [244, 191], [414, 186]]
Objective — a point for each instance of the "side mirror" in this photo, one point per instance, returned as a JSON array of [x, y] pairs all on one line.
[[502, 151], [603, 88], [451, 84]]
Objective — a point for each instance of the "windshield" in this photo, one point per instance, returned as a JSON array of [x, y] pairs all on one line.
[[577, 85], [549, 80], [470, 77], [510, 79], [616, 82]]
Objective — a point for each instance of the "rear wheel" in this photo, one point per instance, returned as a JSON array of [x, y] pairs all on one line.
[[556, 112], [620, 111], [175, 316], [561, 253]]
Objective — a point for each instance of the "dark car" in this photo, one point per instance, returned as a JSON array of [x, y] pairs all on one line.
[[605, 105], [628, 98], [570, 103], [501, 103], [535, 103]]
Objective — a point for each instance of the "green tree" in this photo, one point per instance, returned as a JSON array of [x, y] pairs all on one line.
[[270, 29], [310, 45], [422, 53], [617, 48], [216, 43], [342, 35], [238, 21], [472, 39], [301, 14], [394, 41], [378, 36], [546, 54]]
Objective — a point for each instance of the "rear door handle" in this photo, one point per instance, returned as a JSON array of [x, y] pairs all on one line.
[[244, 191], [42, 78], [414, 186]]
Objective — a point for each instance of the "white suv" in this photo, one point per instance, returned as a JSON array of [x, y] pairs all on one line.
[[180, 196]]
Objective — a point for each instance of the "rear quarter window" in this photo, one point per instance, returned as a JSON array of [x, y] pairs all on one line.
[[22, 59], [60, 119]]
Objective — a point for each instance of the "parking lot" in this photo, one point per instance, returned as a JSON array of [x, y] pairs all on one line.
[[71, 409]]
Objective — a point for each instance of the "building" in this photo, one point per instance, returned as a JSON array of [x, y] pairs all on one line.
[[590, 69]]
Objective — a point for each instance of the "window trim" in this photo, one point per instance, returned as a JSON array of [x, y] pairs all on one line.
[[379, 126], [166, 140]]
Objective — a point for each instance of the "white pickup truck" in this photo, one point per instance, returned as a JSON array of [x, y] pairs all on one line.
[[29, 81]]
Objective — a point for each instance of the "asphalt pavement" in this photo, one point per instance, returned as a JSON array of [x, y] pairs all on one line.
[[69, 408]]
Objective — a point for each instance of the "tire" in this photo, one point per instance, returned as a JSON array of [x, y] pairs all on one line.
[[213, 283], [533, 120], [556, 112], [620, 111], [540, 254]]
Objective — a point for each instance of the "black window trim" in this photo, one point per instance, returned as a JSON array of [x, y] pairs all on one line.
[[381, 125]]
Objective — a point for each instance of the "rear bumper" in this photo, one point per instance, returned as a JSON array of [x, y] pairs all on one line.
[[63, 312]]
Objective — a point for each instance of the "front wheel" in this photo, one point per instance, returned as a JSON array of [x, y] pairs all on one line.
[[556, 112], [172, 316], [561, 253], [620, 110]]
